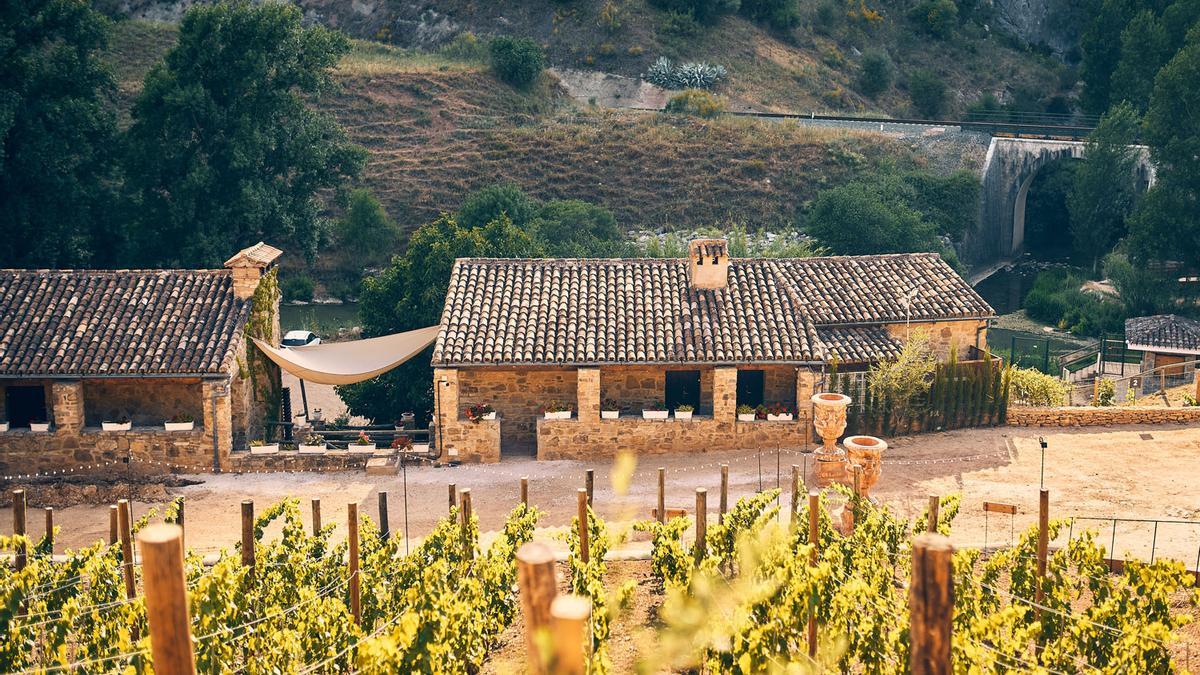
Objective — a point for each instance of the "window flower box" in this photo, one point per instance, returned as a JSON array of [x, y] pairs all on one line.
[[684, 412], [483, 411], [361, 448], [746, 417], [179, 426], [306, 449], [264, 448], [778, 412], [557, 411], [609, 414], [782, 417], [656, 412], [39, 426], [3, 427], [119, 425]]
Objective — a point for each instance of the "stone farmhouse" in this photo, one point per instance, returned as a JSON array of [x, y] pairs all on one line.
[[707, 332], [82, 348]]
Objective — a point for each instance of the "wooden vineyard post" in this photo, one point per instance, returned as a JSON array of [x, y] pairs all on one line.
[[583, 526], [316, 516], [123, 532], [112, 524], [19, 527], [814, 539], [662, 494], [248, 534], [525, 490], [1043, 546], [538, 585], [856, 473], [465, 513], [179, 519], [931, 526], [50, 529], [589, 482], [383, 516], [795, 494], [352, 570], [931, 605], [724, 492], [166, 600], [453, 496], [701, 524], [572, 641]]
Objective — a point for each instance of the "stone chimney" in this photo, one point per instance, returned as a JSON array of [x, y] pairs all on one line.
[[708, 263], [249, 265]]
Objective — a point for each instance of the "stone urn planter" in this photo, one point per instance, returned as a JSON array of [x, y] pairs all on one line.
[[866, 452], [829, 419]]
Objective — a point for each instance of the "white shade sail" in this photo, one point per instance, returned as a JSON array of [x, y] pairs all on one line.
[[350, 362]]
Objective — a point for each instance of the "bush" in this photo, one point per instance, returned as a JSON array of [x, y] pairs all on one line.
[[297, 288], [904, 380], [1055, 299], [696, 102], [465, 47], [1033, 387], [928, 93], [707, 11], [875, 74], [365, 231], [1106, 393], [517, 61], [936, 17], [667, 75], [488, 204], [828, 17], [778, 14]]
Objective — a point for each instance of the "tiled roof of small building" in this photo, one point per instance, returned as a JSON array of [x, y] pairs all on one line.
[[858, 344], [575, 311], [117, 322], [1167, 331]]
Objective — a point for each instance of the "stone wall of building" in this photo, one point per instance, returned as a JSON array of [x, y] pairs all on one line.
[[294, 461], [145, 401], [636, 387], [779, 385], [518, 395], [148, 448], [576, 439], [1080, 416], [942, 334]]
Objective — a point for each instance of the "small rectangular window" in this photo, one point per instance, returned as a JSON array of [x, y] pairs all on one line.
[[25, 404], [750, 386], [683, 386]]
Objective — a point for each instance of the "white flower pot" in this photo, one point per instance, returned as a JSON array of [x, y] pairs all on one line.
[[654, 414], [361, 449], [786, 417], [264, 449], [490, 416], [746, 417], [116, 426], [179, 426], [39, 426], [609, 414], [562, 415], [312, 449], [683, 414], [3, 426]]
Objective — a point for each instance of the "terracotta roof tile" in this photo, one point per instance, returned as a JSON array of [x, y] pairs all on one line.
[[858, 344], [1167, 331], [117, 322]]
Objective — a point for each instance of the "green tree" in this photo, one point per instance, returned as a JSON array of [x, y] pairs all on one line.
[[57, 132], [860, 218], [1104, 188], [778, 14], [928, 93], [1101, 46], [223, 149], [1144, 291], [1145, 48], [936, 17], [365, 231], [576, 229], [487, 204], [875, 73], [517, 61]]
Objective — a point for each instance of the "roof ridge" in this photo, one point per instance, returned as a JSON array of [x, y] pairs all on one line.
[[84, 271]]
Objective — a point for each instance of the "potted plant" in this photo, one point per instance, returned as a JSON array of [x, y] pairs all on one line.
[[3, 426], [362, 443], [402, 443], [180, 422], [481, 411], [557, 411], [684, 411], [39, 425], [122, 424], [745, 413], [313, 444], [654, 411], [260, 447], [778, 412], [609, 410]]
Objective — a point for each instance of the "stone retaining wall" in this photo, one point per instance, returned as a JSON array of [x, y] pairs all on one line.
[[24, 451], [294, 461], [1022, 416], [581, 439]]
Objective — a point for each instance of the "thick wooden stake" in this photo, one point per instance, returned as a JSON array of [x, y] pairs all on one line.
[[19, 526], [355, 600], [113, 537], [453, 496], [931, 605], [538, 587], [701, 524], [166, 600], [814, 538], [525, 492], [724, 492], [589, 482], [316, 516], [123, 530], [584, 546], [383, 516], [795, 493], [465, 518], [182, 528], [1043, 545], [572, 638], [856, 472], [932, 525], [662, 494], [50, 528], [248, 534]]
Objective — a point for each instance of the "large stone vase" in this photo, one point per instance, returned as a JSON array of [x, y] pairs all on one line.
[[866, 452], [829, 418]]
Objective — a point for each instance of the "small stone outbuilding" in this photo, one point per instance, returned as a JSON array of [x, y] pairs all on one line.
[[1170, 346], [709, 332], [79, 348]]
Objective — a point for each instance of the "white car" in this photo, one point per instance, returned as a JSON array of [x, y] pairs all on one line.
[[300, 338]]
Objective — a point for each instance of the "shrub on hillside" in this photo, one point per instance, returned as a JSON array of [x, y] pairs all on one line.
[[1056, 299], [465, 47], [937, 17], [299, 287], [696, 102], [1033, 387], [706, 11], [365, 231], [667, 75], [928, 93], [875, 73], [778, 14], [517, 61]]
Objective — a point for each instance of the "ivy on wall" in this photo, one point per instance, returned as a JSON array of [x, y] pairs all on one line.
[[264, 306]]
